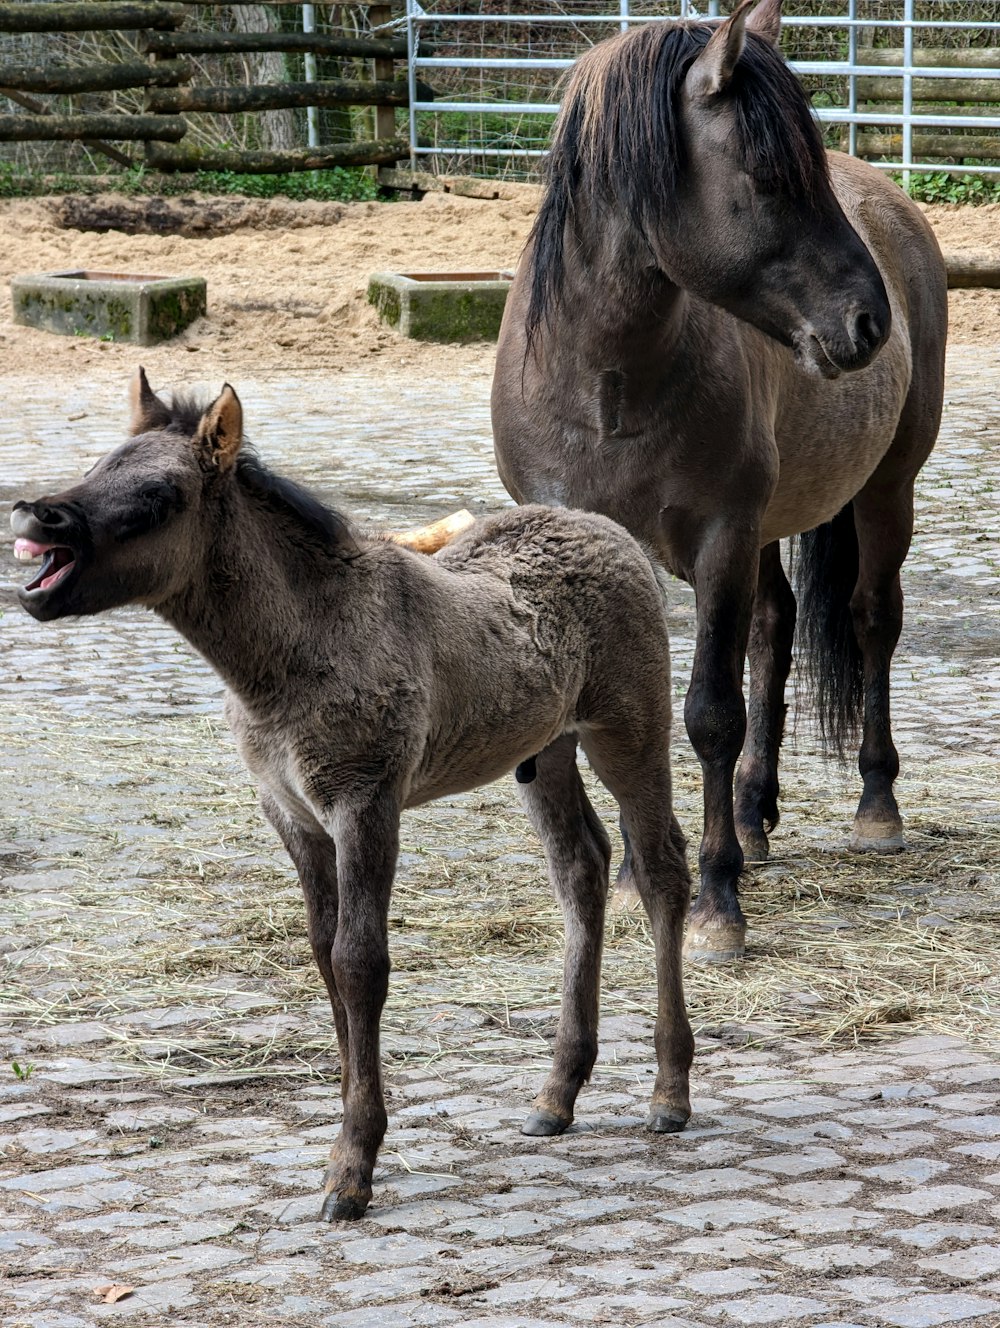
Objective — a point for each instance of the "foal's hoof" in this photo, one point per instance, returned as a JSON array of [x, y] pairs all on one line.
[[754, 845], [624, 898], [342, 1208], [714, 942], [544, 1124], [667, 1120], [877, 837]]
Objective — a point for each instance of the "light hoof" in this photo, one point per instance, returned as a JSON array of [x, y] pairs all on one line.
[[755, 846], [667, 1120], [342, 1208], [625, 899], [544, 1124], [718, 943], [877, 837]]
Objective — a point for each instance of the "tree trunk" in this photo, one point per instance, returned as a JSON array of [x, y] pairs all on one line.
[[278, 130]]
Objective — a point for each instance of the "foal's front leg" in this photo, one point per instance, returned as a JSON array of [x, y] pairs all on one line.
[[367, 838], [724, 577]]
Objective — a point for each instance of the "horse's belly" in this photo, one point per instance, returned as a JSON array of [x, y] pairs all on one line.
[[830, 441]]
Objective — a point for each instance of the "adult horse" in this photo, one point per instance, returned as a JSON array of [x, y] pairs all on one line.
[[721, 335]]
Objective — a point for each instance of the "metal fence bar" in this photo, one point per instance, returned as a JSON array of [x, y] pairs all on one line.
[[861, 105]]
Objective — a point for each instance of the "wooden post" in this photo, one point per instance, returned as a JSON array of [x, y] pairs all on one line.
[[385, 116]]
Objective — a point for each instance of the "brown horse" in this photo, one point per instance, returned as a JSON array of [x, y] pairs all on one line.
[[364, 678], [720, 335]]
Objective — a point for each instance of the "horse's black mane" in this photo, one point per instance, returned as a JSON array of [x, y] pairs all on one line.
[[618, 140], [286, 498], [320, 524]]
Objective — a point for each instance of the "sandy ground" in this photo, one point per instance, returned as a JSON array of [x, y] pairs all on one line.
[[287, 281]]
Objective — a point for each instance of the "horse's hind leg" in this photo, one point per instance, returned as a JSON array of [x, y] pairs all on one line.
[[883, 520], [639, 778], [579, 854], [772, 630]]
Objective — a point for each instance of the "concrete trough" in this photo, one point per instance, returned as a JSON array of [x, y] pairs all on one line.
[[114, 305], [441, 306]]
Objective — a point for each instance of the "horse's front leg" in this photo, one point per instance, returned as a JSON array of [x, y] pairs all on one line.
[[724, 577], [314, 854], [367, 838], [772, 631]]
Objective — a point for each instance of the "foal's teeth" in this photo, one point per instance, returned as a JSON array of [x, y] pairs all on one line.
[[26, 551]]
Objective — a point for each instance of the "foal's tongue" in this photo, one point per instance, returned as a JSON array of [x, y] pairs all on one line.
[[25, 550]]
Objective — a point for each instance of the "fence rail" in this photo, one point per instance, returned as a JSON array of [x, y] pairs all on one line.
[[165, 97], [867, 65]]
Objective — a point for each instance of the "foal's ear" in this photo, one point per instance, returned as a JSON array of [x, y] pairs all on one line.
[[711, 71], [220, 430], [765, 21], [147, 410]]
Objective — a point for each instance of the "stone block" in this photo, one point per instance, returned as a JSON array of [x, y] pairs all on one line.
[[113, 305], [441, 306]]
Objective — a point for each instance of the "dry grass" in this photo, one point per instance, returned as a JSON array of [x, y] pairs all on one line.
[[208, 924]]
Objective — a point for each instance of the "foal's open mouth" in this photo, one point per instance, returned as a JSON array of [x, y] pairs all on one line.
[[58, 565]]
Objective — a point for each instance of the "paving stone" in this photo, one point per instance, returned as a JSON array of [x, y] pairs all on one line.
[[711, 1181], [393, 1250], [508, 1226], [735, 1245], [913, 1170], [187, 1261], [408, 1314], [631, 1307], [928, 1235], [719, 1213], [13, 1241], [553, 1289], [610, 1238], [933, 1199], [798, 1164], [968, 1265], [279, 1273], [722, 1281], [986, 1127], [833, 1192], [798, 1108], [624, 1272], [777, 1308], [827, 1221], [153, 1301], [174, 1235], [931, 1310], [837, 1258]]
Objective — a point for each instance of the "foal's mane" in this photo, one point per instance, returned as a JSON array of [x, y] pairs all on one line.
[[618, 141], [319, 524]]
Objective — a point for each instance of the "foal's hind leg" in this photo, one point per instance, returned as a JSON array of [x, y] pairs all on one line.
[[579, 854], [639, 778], [770, 654], [883, 520]]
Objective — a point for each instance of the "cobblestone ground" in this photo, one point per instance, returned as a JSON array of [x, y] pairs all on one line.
[[168, 1088]]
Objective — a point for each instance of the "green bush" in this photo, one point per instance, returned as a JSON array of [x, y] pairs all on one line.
[[342, 184], [941, 187]]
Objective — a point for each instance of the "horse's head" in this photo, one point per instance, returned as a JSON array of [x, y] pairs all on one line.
[[692, 149], [133, 529], [756, 228]]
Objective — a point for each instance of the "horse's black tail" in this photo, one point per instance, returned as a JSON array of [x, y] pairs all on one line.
[[826, 572]]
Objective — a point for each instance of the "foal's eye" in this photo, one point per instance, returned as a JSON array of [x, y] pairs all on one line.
[[156, 502]]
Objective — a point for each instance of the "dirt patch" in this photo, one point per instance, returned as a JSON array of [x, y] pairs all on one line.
[[287, 281]]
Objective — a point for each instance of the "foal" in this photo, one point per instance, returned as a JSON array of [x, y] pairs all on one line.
[[363, 678]]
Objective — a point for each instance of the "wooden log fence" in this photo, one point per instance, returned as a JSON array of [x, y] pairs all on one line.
[[884, 95], [166, 82]]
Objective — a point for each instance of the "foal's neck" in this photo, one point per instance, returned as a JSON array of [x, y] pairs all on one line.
[[251, 605]]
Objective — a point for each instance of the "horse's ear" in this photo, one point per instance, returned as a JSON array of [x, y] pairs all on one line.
[[765, 21], [220, 430], [148, 412], [713, 68]]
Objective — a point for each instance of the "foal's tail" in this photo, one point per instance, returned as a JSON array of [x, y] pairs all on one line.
[[826, 572]]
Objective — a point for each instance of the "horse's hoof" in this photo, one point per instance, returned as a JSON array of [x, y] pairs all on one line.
[[754, 845], [342, 1208], [544, 1124], [715, 943], [877, 837], [667, 1120], [625, 899]]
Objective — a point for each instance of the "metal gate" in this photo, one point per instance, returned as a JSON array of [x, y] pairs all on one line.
[[911, 85]]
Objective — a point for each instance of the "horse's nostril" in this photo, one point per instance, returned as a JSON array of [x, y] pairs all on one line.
[[867, 332], [50, 516]]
